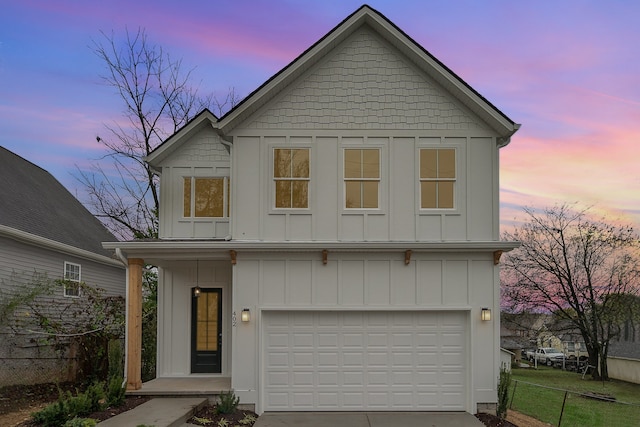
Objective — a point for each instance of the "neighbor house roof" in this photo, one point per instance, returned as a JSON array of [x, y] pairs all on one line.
[[35, 207], [364, 16]]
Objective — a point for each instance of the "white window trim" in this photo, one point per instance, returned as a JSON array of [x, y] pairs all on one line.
[[79, 280], [272, 146], [382, 195], [457, 189], [225, 201]]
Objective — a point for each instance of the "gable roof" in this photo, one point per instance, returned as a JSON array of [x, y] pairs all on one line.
[[426, 62], [365, 15], [34, 203]]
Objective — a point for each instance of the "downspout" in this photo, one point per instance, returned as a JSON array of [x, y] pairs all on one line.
[[229, 146], [123, 259]]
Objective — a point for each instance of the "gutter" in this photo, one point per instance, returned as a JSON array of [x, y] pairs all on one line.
[[32, 239]]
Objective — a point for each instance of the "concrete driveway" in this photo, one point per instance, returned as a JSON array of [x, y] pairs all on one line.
[[368, 419]]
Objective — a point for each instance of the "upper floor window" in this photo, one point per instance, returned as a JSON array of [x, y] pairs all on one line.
[[291, 178], [71, 279], [437, 178], [206, 197], [361, 178]]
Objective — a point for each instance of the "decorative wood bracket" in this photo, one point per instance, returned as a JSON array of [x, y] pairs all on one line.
[[496, 257], [407, 257], [325, 254], [233, 254]]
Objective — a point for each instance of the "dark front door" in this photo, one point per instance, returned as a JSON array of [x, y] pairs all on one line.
[[206, 331]]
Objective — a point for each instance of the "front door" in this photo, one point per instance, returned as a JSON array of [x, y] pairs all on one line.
[[206, 331]]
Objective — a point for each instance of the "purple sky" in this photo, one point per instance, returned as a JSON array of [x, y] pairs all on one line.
[[568, 71]]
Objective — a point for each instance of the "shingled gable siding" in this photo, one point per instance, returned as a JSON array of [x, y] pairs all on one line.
[[366, 84]]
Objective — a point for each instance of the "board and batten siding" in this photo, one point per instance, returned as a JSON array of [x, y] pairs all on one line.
[[399, 217], [365, 282], [202, 156]]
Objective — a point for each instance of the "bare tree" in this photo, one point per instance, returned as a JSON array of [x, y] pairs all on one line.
[[584, 271], [158, 98]]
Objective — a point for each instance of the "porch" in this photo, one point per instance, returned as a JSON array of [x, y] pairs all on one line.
[[184, 386]]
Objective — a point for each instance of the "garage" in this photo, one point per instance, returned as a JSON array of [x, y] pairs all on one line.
[[364, 360]]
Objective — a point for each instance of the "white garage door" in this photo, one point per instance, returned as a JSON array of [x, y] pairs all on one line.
[[364, 361]]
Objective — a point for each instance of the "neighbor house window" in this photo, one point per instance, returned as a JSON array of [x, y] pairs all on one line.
[[206, 197], [361, 178], [291, 178], [437, 178], [71, 279]]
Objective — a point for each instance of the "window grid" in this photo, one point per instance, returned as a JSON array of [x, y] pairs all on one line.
[[72, 279], [437, 178], [291, 174], [361, 178]]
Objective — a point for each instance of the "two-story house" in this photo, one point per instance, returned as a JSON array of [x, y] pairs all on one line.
[[332, 242], [46, 234]]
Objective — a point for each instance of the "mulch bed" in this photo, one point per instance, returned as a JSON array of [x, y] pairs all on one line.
[[493, 421], [19, 397], [26, 397], [207, 416]]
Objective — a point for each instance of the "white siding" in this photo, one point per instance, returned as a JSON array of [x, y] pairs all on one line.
[[202, 156], [24, 260], [367, 282], [174, 312]]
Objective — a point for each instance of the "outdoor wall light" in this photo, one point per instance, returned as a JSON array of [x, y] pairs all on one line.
[[245, 316], [485, 314], [196, 291]]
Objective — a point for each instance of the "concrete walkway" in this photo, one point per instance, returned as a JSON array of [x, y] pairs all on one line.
[[368, 419], [160, 412], [175, 411]]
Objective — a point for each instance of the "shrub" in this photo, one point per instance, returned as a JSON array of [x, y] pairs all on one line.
[[53, 415], [115, 391], [81, 422], [228, 403], [503, 391], [95, 397]]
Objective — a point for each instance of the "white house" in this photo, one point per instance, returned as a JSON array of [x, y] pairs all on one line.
[[349, 207]]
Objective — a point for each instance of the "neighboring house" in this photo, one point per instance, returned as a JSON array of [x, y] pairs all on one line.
[[331, 242], [45, 231], [623, 360], [521, 331], [506, 358]]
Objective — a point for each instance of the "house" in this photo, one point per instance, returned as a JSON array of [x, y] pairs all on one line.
[[332, 242], [623, 359], [45, 232]]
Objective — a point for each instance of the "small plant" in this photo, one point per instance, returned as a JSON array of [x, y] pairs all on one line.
[[228, 403], [204, 421], [95, 397], [81, 422], [53, 415], [115, 392], [248, 419], [223, 423], [503, 391]]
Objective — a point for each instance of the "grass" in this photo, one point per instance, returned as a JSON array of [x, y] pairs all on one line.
[[545, 404]]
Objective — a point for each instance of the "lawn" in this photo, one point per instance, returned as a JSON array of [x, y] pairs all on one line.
[[545, 404]]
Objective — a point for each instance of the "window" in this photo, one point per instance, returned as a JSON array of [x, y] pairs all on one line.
[[71, 279], [206, 197], [437, 178], [361, 178], [291, 178]]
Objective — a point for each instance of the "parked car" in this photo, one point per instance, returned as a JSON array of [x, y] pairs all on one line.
[[546, 355]]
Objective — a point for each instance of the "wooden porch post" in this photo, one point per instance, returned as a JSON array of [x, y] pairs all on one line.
[[134, 325]]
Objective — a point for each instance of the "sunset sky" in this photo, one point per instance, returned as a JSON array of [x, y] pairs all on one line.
[[568, 71]]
